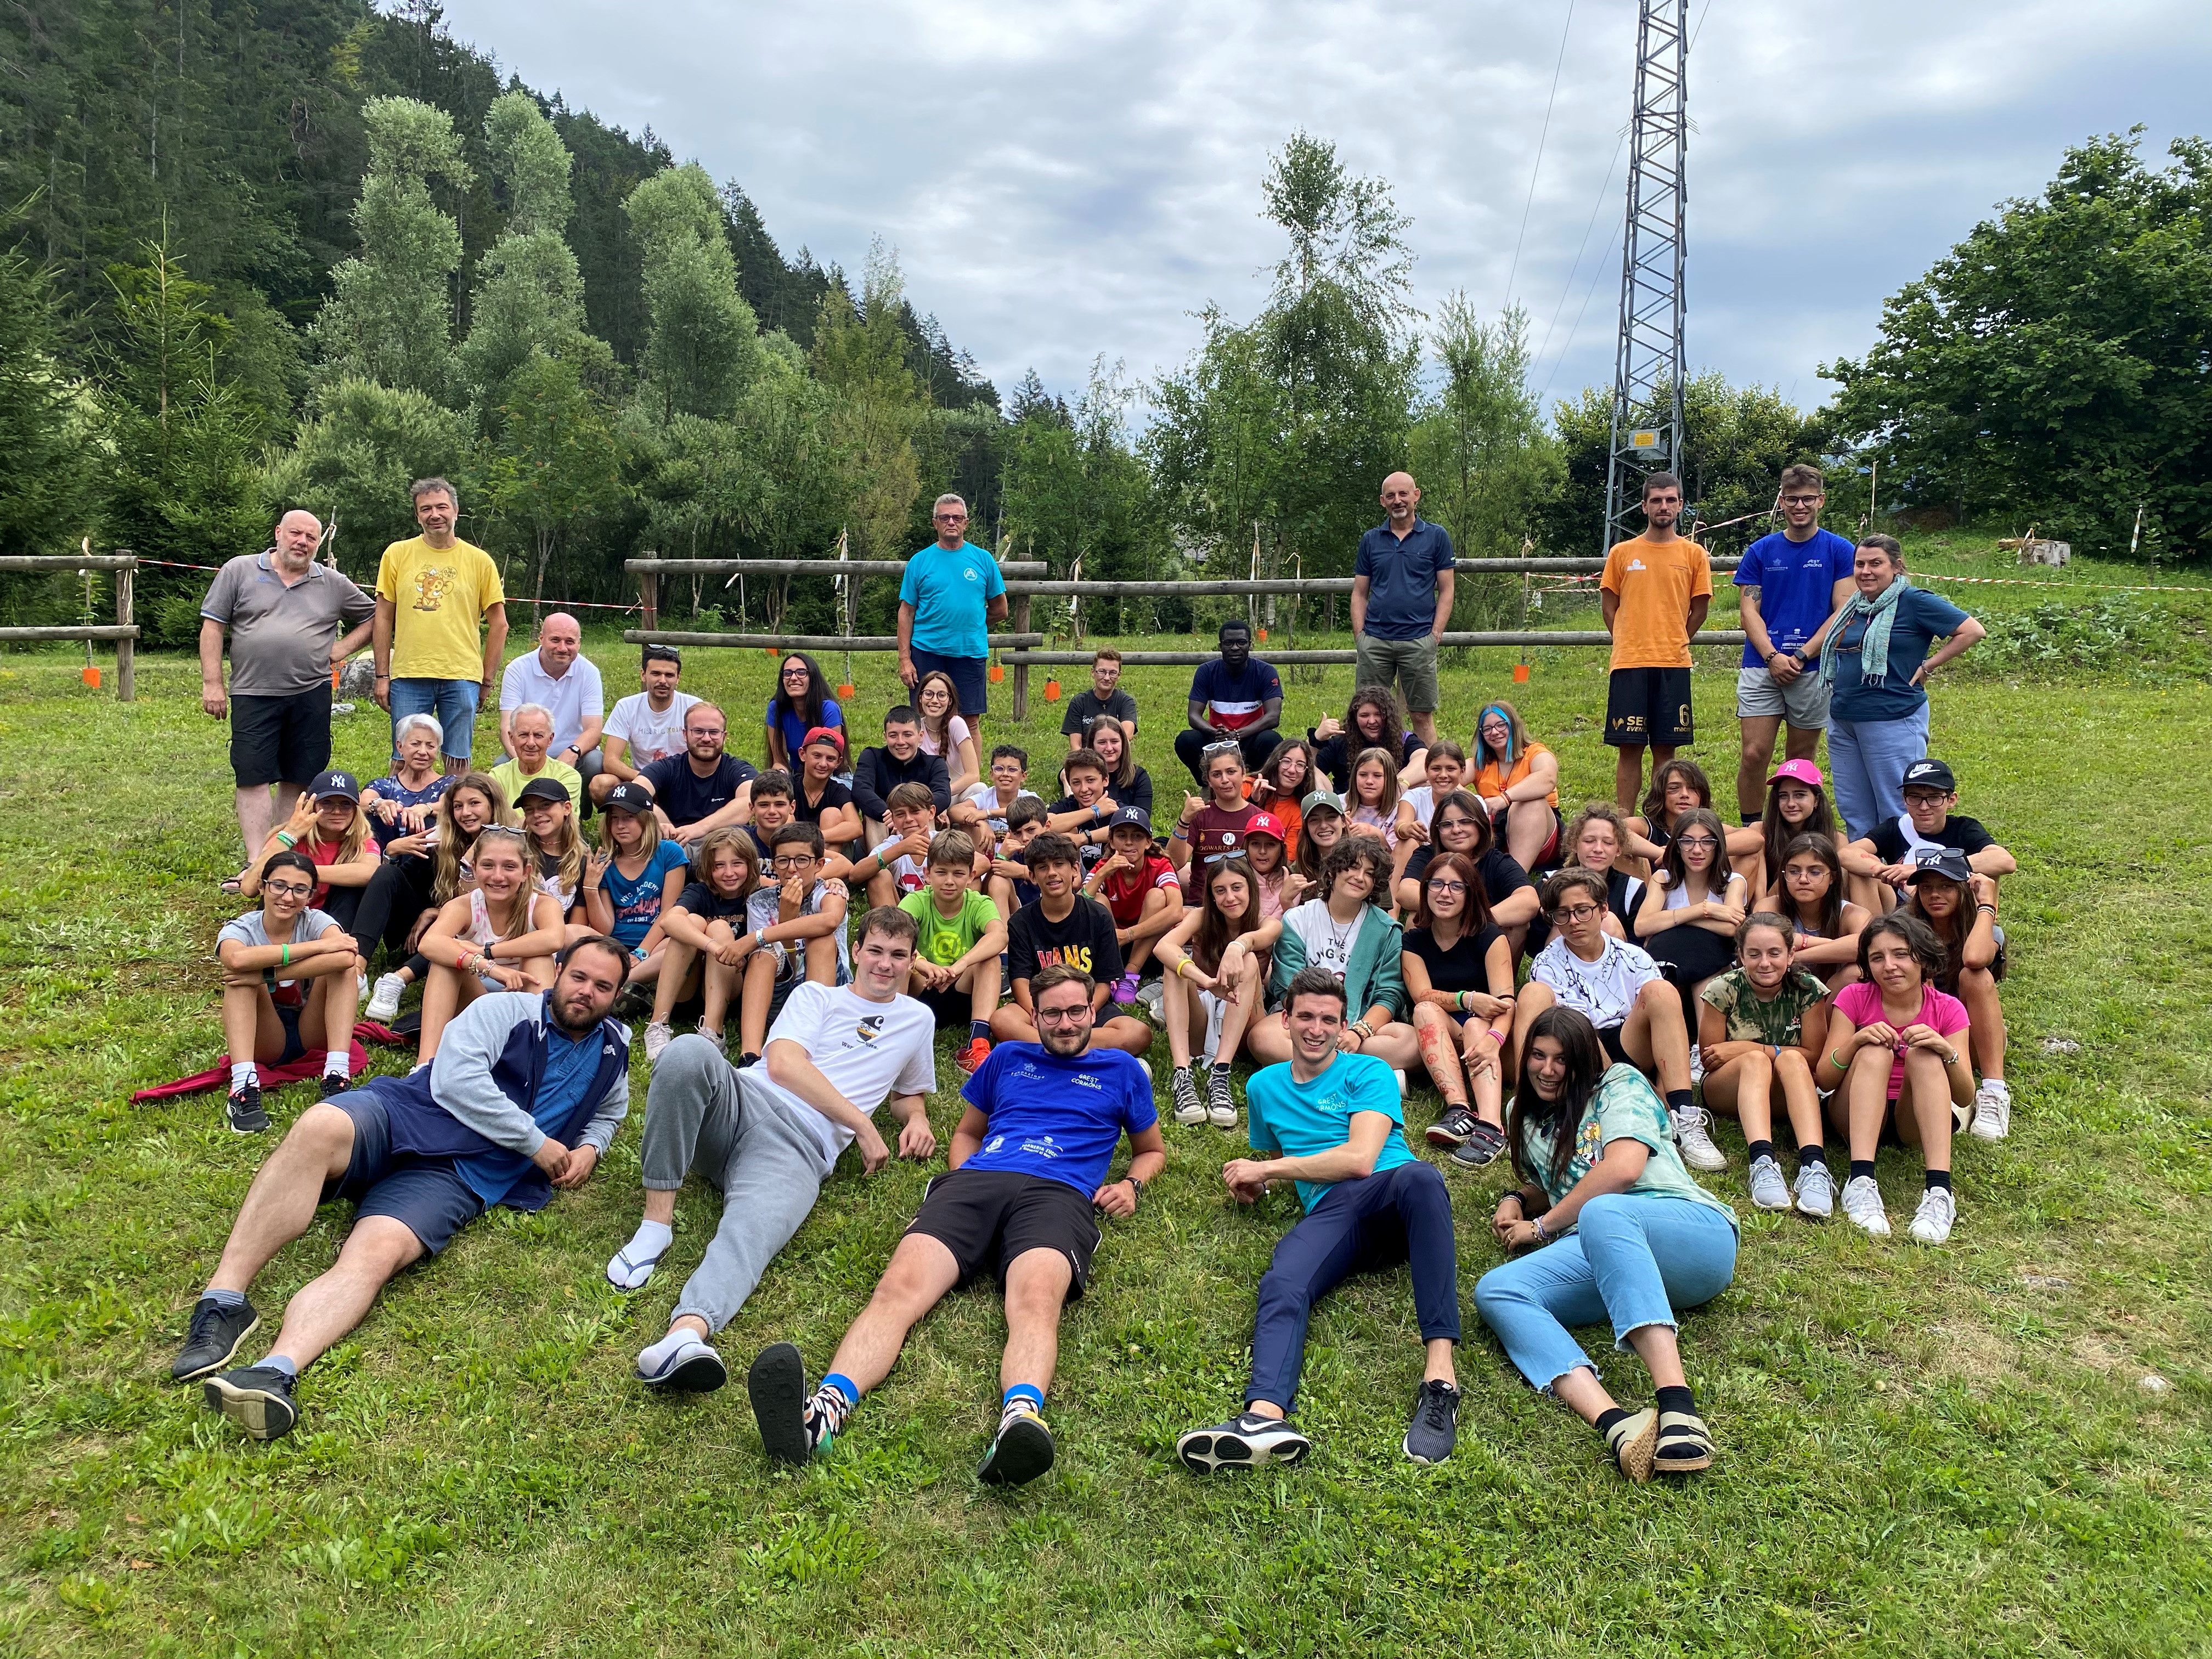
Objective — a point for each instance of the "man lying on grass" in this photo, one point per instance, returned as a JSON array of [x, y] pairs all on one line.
[[420, 1156], [1030, 1161]]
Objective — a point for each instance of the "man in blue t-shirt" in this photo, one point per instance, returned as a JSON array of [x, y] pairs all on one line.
[[1401, 598], [1235, 699], [1029, 1166], [1787, 587], [950, 595], [1332, 1120]]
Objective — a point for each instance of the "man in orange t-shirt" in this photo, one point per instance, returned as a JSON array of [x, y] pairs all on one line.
[[1654, 593]]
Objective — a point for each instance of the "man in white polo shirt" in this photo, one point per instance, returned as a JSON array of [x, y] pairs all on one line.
[[557, 677]]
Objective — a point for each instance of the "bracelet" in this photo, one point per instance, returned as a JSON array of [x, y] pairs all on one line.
[[1542, 1237], [1363, 1028], [1953, 1060], [760, 939], [284, 956], [1181, 834], [1840, 1065], [288, 839], [1991, 909], [1516, 1196], [1496, 1035], [1182, 967], [1459, 1001]]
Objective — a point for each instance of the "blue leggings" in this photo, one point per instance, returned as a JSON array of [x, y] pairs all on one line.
[[1359, 1226], [1633, 1259]]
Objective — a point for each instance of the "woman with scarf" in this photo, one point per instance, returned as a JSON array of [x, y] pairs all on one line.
[[1874, 653]]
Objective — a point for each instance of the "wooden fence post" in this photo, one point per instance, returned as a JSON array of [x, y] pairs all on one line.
[[1021, 669], [126, 652], [649, 597]]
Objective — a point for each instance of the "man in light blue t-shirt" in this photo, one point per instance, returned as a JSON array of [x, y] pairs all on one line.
[[1787, 587], [1332, 1120], [949, 596]]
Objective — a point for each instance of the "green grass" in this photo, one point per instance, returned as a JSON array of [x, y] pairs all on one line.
[[1921, 1451]]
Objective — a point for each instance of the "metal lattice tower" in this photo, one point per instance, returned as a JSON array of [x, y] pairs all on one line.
[[1648, 362]]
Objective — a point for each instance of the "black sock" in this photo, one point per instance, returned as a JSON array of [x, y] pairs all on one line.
[[1862, 1166], [979, 1030], [1939, 1178], [1608, 1417], [1678, 1100], [1810, 1156], [1750, 818], [1755, 1150], [1678, 1400]]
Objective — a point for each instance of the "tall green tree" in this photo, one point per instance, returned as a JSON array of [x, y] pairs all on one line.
[[2051, 369], [389, 318], [702, 343], [860, 356], [356, 457], [1076, 492], [555, 466], [46, 494]]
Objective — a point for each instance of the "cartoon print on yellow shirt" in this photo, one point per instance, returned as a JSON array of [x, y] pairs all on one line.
[[431, 582]]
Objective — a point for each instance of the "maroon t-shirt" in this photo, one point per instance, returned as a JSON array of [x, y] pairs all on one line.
[[1215, 833]]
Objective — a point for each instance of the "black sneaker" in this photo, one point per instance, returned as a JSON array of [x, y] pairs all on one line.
[[777, 1386], [1481, 1147], [214, 1339], [258, 1398], [1021, 1450], [244, 1110], [1434, 1431], [335, 1084], [1453, 1128], [1246, 1441]]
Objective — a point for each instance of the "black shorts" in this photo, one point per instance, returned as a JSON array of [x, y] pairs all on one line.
[[1648, 706], [987, 1218], [287, 1015], [1610, 1037], [425, 1195], [280, 740], [952, 1010]]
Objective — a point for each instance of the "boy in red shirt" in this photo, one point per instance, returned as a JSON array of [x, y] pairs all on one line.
[[1141, 890]]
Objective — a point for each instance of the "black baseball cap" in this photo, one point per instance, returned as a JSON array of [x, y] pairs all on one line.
[[632, 798], [1135, 815], [334, 785], [543, 788], [1945, 861], [1931, 774]]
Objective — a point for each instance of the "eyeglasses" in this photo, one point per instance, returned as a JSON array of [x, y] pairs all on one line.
[[1802, 501], [803, 861], [1226, 746], [950, 517], [1580, 912], [1073, 1016], [1442, 886], [1688, 841], [797, 674], [286, 888]]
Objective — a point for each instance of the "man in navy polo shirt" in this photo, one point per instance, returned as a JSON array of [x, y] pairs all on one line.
[[1029, 1162], [1401, 599], [949, 596], [1787, 587]]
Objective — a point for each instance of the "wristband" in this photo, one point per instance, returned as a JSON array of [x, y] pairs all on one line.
[[1840, 1065], [284, 956], [1516, 1196], [1991, 909], [1542, 1237], [760, 939], [289, 841], [1496, 1035]]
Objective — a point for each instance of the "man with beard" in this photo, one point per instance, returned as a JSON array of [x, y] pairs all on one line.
[[704, 788], [524, 1095], [1030, 1161]]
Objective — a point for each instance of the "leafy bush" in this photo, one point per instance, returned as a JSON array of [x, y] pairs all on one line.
[[2117, 634]]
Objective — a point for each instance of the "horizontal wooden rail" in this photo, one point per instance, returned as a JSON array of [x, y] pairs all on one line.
[[84, 631], [1729, 637], [799, 641], [69, 562], [802, 566]]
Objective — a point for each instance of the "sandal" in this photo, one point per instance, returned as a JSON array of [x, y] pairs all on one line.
[[233, 886], [627, 1273], [1685, 1444]]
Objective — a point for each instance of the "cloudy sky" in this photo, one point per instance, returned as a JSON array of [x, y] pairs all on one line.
[[1075, 179]]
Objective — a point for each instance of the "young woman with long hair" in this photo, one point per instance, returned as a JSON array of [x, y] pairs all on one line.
[[1678, 785], [1281, 884], [1761, 1030], [1693, 906], [1959, 906], [1824, 925], [436, 872], [1897, 1054], [1285, 778], [1797, 804], [944, 732], [1128, 784], [328, 825], [1213, 972], [1458, 968], [630, 879], [1371, 720], [705, 920], [548, 824], [1374, 805], [802, 702], [1459, 824], [1518, 780], [1611, 1221], [501, 935], [1321, 826], [288, 984]]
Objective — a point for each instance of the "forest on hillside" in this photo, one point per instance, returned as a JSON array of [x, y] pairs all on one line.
[[252, 257]]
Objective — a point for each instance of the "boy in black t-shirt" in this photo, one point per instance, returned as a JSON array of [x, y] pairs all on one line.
[[1931, 793], [818, 799], [1087, 811], [1063, 928], [1105, 699]]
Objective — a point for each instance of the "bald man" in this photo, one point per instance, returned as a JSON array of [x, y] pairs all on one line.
[[284, 614], [558, 676], [1401, 599]]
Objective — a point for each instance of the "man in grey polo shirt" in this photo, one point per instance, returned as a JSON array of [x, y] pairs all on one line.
[[1401, 598], [284, 614], [558, 678]]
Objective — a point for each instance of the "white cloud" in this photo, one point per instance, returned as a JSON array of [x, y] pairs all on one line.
[[1076, 179]]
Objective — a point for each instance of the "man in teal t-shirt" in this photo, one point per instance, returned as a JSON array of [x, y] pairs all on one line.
[[949, 596], [1333, 1120]]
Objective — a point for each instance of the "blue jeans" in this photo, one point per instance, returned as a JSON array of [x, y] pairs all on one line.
[[1866, 762], [454, 704], [1633, 1258], [1358, 1227]]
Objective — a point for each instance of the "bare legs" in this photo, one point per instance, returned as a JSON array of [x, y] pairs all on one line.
[[1655, 1346], [921, 1272], [1744, 1090], [1653, 1034], [1628, 773], [256, 814]]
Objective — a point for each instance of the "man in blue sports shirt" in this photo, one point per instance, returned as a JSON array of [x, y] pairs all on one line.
[[1030, 1161], [950, 595], [1787, 587]]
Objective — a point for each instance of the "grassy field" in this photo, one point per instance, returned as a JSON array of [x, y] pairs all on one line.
[[1921, 1451]]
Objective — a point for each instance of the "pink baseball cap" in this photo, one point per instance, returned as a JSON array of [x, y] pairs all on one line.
[[1265, 823], [1798, 771]]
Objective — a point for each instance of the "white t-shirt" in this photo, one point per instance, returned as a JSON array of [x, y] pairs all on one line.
[[985, 795], [1606, 989], [650, 735], [869, 1051], [957, 727], [909, 874], [1423, 800], [1329, 943]]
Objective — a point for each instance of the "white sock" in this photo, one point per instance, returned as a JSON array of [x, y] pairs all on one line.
[[338, 1063], [651, 1238], [241, 1073], [652, 1358]]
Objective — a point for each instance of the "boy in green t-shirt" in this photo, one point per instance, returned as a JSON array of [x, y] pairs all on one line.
[[961, 936]]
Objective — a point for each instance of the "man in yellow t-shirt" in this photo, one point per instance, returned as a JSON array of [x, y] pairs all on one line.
[[433, 593], [1654, 593]]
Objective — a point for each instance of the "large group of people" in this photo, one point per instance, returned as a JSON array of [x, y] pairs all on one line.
[[1375, 908]]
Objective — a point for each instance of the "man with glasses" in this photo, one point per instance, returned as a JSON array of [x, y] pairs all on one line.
[[1030, 1162], [1787, 587], [1619, 988], [949, 596], [705, 786], [1235, 699]]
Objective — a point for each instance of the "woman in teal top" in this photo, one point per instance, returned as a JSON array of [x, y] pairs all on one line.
[[1622, 1234]]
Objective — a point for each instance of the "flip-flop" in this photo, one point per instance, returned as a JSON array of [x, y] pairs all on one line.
[[642, 1265], [232, 885]]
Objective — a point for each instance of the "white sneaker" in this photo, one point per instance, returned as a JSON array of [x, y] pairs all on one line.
[[383, 1000], [1768, 1190], [658, 1036], [1863, 1204], [1150, 996], [1939, 1208], [1697, 1066], [1992, 1110], [1400, 1076], [1697, 1149], [1816, 1191]]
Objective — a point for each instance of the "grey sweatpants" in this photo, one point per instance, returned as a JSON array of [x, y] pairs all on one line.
[[744, 1139]]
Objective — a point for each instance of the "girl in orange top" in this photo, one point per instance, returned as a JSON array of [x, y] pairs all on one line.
[[1282, 782], [1518, 781]]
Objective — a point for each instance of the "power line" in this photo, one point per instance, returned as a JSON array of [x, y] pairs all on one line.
[[1596, 276], [1543, 134], [1567, 289]]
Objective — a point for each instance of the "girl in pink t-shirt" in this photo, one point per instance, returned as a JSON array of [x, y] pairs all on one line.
[[1897, 1046]]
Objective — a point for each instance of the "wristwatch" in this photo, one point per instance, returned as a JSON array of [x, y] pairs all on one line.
[[1137, 1189]]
